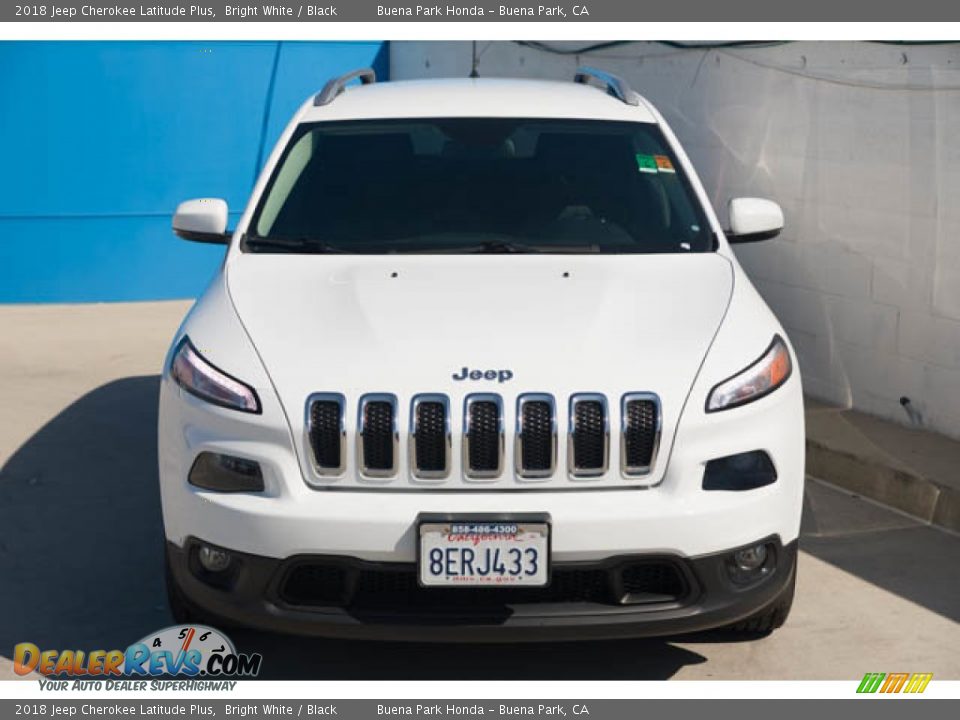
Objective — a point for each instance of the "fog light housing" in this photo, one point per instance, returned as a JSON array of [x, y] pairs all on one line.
[[225, 473], [749, 565], [743, 471], [750, 558], [213, 560]]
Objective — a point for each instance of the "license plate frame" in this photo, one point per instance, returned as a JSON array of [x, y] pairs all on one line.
[[521, 519]]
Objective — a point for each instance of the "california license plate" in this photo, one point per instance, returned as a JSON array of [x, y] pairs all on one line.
[[484, 554]]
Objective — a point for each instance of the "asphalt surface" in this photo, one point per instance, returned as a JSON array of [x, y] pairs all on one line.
[[81, 549]]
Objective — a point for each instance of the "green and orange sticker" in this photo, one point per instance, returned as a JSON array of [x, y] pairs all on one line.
[[654, 163], [664, 164]]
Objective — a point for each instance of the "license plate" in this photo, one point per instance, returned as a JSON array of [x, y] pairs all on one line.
[[484, 554]]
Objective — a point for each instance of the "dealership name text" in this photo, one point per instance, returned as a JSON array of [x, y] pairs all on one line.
[[554, 11], [438, 710]]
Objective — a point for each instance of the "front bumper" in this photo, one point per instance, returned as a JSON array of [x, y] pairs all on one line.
[[378, 524], [252, 594]]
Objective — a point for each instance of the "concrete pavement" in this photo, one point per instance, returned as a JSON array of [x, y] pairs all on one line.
[[907, 468], [80, 549]]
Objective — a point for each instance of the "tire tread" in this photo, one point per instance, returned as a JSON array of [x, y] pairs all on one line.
[[771, 617]]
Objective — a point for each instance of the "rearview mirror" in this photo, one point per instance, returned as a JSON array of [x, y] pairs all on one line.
[[202, 220], [753, 219]]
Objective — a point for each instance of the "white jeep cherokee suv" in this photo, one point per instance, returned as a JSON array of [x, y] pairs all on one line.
[[480, 364]]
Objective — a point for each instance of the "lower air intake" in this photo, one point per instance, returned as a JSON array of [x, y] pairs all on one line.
[[652, 582], [392, 589]]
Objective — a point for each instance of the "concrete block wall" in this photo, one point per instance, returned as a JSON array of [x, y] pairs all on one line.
[[858, 143]]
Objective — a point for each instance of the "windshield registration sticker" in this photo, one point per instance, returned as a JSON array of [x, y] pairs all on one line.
[[646, 163]]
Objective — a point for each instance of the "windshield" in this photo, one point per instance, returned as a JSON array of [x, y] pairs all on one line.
[[478, 185]]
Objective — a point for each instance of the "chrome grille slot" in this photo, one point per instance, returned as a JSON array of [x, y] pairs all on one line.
[[640, 433], [589, 442], [535, 448], [377, 436], [483, 435], [326, 433], [430, 440]]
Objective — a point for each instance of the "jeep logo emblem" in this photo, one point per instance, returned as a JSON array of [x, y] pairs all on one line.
[[468, 374]]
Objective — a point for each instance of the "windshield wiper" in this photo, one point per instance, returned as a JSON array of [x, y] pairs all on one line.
[[315, 245], [501, 246], [457, 244]]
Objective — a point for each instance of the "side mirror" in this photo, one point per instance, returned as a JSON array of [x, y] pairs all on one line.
[[753, 219], [203, 220]]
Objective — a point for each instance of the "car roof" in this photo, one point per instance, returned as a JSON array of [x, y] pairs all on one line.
[[477, 97]]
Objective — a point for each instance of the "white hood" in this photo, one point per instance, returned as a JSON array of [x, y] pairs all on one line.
[[407, 324]]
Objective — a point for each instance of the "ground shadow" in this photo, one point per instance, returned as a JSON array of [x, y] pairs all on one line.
[[81, 538], [897, 553], [294, 658]]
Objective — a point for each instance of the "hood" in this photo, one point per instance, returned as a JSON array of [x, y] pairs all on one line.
[[552, 323]]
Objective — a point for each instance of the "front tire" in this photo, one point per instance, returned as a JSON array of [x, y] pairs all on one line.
[[771, 617], [179, 607], [183, 611]]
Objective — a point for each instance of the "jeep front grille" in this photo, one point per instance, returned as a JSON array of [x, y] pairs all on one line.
[[434, 425], [430, 440], [640, 423], [483, 436], [535, 449], [326, 433], [589, 442], [378, 436]]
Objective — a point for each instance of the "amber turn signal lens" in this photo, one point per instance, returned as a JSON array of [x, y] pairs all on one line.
[[759, 379]]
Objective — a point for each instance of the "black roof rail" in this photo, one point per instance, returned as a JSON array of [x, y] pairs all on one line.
[[335, 86], [616, 85]]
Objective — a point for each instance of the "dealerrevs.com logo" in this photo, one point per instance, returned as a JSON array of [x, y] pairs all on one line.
[[192, 651]]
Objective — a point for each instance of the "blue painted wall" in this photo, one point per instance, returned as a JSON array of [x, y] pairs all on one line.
[[101, 140]]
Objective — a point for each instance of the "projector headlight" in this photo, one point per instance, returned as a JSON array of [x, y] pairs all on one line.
[[758, 380], [198, 377]]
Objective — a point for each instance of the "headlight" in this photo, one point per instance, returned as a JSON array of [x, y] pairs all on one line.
[[763, 377], [198, 377]]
